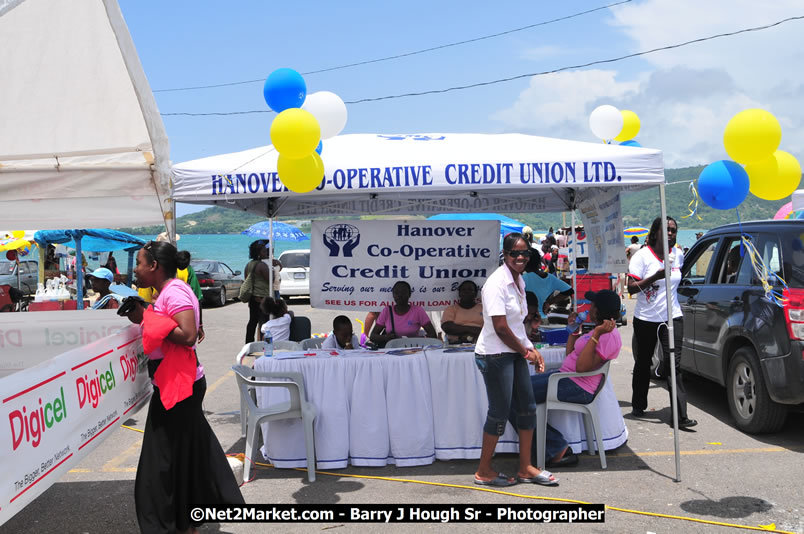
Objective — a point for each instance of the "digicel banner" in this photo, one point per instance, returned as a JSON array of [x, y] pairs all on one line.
[[54, 414], [354, 264]]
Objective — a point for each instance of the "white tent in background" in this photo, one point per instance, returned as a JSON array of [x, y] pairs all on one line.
[[82, 144], [423, 174]]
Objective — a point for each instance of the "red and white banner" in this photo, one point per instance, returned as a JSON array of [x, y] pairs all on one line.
[[52, 415], [28, 339]]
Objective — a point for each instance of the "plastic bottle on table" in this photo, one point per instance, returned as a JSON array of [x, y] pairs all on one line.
[[579, 320], [268, 344]]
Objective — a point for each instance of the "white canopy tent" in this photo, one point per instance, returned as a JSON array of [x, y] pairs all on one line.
[[417, 174], [82, 144]]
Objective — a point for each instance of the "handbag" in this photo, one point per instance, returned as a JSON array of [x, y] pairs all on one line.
[[247, 288]]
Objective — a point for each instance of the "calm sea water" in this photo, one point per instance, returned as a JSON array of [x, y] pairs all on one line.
[[232, 249]]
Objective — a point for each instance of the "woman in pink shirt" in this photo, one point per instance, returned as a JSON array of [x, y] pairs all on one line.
[[181, 461], [403, 319]]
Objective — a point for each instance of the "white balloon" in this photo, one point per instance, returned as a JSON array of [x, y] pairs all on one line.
[[606, 122], [330, 111]]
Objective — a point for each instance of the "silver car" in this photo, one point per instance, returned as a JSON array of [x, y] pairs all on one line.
[[28, 273], [295, 275]]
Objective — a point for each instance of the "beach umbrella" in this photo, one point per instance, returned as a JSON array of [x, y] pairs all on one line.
[[638, 231], [281, 231]]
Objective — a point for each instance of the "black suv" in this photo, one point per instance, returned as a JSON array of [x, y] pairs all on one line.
[[734, 334]]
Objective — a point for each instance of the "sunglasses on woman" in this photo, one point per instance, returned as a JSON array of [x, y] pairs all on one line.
[[518, 253]]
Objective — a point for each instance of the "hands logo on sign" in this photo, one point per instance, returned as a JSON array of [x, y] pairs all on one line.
[[341, 237]]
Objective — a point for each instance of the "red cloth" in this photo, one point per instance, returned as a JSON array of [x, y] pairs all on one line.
[[176, 374]]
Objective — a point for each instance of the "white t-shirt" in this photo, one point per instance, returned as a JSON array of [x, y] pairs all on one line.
[[501, 296], [331, 342], [279, 328], [652, 301]]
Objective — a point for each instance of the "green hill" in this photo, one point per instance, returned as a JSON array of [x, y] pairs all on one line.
[[639, 209]]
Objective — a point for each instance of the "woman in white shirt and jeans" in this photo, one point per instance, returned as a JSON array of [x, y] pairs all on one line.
[[646, 277], [502, 354]]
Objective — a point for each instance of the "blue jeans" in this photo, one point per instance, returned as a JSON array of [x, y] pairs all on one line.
[[568, 391], [554, 441], [506, 376]]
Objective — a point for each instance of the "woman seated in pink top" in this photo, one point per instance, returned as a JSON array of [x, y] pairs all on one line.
[[587, 352], [403, 319]]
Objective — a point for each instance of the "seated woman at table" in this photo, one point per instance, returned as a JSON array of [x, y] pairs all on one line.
[[587, 352], [342, 335], [276, 310], [462, 322], [402, 319], [502, 354]]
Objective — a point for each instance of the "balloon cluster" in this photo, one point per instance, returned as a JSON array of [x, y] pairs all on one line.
[[301, 123], [752, 139], [611, 124]]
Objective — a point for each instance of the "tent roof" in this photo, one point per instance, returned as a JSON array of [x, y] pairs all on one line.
[[422, 174], [82, 143], [92, 240]]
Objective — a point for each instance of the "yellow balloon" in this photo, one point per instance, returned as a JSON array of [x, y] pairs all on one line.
[[631, 126], [19, 234], [752, 135], [300, 175], [769, 185], [295, 133]]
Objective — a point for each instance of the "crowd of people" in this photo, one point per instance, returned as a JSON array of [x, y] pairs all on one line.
[[502, 321]]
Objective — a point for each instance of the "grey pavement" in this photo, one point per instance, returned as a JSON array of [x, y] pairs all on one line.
[[727, 477]]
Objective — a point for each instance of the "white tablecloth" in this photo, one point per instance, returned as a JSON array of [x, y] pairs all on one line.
[[376, 409], [372, 410], [460, 405]]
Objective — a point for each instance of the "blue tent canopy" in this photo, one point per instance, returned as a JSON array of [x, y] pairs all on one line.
[[92, 240], [507, 224]]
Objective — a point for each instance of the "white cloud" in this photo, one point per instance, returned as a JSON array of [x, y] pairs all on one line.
[[684, 97]]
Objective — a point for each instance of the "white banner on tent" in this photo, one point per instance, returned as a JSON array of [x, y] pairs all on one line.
[[602, 217], [28, 339], [60, 410], [354, 264]]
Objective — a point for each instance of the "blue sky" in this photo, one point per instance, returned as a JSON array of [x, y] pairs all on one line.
[[684, 97]]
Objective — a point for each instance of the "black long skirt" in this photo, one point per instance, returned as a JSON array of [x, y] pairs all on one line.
[[181, 465]]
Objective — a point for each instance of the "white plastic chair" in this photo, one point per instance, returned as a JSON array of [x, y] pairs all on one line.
[[297, 407], [312, 343], [247, 350], [405, 342], [591, 417]]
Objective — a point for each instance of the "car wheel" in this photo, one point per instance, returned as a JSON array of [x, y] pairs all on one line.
[[749, 402], [222, 297]]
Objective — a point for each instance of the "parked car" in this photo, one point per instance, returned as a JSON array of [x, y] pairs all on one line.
[[294, 277], [218, 282], [28, 271], [733, 333]]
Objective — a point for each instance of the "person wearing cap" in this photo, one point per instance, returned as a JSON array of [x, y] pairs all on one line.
[[587, 352], [101, 278]]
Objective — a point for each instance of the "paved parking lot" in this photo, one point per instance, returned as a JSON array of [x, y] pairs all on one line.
[[727, 477]]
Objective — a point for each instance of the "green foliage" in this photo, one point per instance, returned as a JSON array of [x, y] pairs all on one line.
[[639, 209]]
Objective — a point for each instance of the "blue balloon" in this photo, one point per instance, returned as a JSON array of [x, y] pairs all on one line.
[[320, 147], [723, 185], [284, 89], [631, 142]]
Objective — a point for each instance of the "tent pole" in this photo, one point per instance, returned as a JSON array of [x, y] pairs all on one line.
[[573, 261], [130, 273], [668, 270], [79, 274], [271, 257], [41, 271]]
